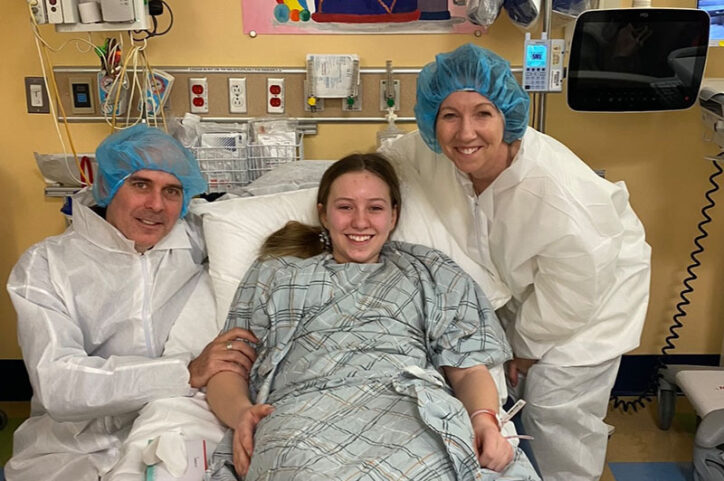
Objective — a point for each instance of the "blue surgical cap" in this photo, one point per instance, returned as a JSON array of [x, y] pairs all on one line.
[[470, 68], [141, 147]]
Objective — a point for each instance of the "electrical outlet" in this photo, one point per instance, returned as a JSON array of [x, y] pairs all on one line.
[[54, 11], [237, 95], [36, 95], [38, 9], [384, 105], [199, 95], [275, 95]]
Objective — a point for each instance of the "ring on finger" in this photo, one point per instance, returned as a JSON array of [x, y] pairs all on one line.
[[229, 346]]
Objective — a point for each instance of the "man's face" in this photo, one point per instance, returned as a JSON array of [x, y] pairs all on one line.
[[146, 207]]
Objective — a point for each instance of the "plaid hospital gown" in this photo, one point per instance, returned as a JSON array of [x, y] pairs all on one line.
[[349, 357]]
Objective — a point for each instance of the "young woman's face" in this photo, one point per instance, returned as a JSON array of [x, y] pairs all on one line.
[[359, 216], [469, 129]]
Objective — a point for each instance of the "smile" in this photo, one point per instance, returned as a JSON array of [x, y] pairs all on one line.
[[467, 150], [359, 238], [149, 222]]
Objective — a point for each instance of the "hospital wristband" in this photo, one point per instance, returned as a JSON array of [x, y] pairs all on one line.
[[489, 412]]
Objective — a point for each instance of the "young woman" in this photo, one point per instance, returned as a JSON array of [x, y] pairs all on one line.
[[354, 331]]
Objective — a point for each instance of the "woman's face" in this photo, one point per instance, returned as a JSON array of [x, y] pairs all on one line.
[[469, 129], [359, 216]]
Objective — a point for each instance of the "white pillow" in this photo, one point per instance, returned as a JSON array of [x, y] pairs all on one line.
[[236, 228]]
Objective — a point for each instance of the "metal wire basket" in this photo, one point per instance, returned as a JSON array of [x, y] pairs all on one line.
[[232, 162]]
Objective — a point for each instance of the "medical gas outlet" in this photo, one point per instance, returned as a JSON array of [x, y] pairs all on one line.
[[389, 95], [199, 95], [275, 95]]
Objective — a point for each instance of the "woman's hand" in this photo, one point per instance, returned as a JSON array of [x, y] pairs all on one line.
[[228, 352], [492, 449], [519, 365], [243, 443]]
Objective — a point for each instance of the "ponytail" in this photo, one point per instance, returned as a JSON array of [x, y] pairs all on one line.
[[294, 239]]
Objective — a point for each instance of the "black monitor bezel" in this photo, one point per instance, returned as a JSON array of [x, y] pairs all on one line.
[[583, 97]]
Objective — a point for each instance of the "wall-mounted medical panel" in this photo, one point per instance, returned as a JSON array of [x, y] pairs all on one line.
[[94, 16], [290, 82]]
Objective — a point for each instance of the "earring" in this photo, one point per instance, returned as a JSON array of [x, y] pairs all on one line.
[[324, 239]]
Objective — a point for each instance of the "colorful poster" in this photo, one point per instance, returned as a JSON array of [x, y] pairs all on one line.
[[356, 16]]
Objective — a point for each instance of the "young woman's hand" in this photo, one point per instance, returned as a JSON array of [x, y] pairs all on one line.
[[493, 450], [243, 443]]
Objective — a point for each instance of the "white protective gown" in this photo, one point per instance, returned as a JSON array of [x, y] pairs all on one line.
[[568, 250], [93, 318]]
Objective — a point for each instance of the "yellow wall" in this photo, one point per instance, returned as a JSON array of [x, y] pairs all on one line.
[[660, 156]]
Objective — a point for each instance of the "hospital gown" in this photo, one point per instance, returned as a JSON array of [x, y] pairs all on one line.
[[349, 357]]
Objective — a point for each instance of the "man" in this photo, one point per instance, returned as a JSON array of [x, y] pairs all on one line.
[[96, 304]]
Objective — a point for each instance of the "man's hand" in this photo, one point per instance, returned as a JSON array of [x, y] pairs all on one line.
[[228, 352], [243, 443], [519, 365], [493, 450]]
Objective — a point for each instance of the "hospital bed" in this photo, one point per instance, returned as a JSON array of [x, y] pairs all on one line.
[[234, 229]]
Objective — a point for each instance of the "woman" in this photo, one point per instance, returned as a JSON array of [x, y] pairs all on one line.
[[352, 330], [561, 242]]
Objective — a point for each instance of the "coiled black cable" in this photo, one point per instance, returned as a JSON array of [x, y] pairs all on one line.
[[651, 389], [688, 288]]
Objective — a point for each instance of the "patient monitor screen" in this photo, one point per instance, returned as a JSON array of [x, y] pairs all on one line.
[[637, 59]]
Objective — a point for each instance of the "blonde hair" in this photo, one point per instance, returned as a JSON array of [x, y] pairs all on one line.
[[301, 240], [294, 239]]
